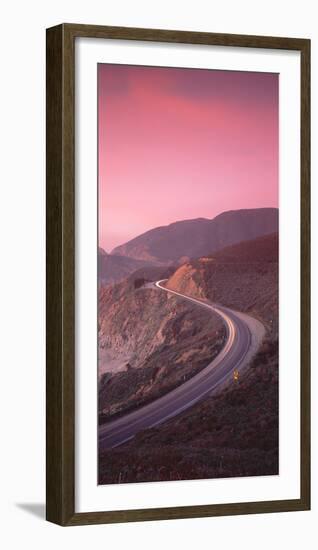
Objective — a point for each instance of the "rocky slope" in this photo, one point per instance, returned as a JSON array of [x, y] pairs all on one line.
[[149, 342], [243, 277], [186, 239]]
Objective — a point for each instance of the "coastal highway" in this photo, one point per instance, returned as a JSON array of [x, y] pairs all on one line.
[[233, 355]]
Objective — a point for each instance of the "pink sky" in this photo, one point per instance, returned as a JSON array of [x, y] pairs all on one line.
[[178, 144]]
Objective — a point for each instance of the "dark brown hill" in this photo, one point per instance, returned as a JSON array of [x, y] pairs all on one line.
[[243, 277]]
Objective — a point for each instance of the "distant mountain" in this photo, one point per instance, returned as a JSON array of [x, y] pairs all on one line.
[[187, 239], [113, 269]]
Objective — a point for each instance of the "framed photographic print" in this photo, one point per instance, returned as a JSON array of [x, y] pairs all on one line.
[[178, 332]]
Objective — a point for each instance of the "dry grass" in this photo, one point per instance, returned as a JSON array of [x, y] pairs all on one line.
[[229, 435]]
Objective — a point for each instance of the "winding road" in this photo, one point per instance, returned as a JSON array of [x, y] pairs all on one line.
[[240, 345]]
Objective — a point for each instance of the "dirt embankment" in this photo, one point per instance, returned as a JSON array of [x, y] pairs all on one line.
[[243, 277], [152, 342]]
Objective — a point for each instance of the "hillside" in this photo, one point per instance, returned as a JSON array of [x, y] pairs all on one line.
[[149, 342], [188, 239], [243, 277], [233, 433]]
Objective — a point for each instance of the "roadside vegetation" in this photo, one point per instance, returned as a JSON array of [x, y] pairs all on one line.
[[232, 434]]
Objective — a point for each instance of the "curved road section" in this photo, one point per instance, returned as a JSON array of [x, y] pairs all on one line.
[[244, 335]]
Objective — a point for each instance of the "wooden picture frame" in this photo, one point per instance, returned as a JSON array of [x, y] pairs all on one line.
[[60, 419]]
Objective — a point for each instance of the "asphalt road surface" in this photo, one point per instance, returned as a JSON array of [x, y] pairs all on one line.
[[231, 357]]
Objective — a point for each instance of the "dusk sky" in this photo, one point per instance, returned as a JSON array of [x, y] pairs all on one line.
[[177, 144]]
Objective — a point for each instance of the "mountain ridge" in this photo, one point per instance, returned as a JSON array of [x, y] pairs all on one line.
[[197, 237]]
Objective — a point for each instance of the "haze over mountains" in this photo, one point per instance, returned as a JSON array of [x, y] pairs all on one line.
[[187, 239], [112, 268]]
